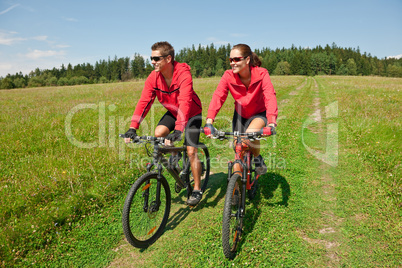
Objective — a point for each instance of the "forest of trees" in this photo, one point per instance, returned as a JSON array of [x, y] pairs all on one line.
[[207, 61]]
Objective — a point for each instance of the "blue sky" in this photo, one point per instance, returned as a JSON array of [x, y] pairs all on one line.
[[48, 33]]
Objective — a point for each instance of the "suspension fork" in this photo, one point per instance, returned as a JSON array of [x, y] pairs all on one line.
[[248, 170], [238, 159], [244, 170], [155, 161], [243, 189], [244, 154]]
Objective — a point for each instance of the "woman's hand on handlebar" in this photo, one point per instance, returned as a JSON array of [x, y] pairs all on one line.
[[268, 131], [209, 130]]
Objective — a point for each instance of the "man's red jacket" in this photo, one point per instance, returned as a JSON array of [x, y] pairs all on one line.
[[180, 98]]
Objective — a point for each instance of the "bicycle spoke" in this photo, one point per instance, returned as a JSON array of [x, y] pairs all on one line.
[[145, 216], [146, 187], [150, 219]]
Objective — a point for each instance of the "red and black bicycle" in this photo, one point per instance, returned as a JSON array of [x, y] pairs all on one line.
[[240, 184]]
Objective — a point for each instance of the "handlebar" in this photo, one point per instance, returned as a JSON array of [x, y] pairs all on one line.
[[145, 138], [266, 131], [221, 135], [159, 140]]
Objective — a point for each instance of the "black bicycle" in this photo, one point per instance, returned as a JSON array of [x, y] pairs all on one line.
[[240, 184], [147, 206]]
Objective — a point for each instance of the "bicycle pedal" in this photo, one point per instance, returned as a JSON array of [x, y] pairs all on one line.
[[177, 188], [191, 206]]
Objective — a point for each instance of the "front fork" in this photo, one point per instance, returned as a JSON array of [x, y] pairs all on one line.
[[157, 202], [243, 185], [246, 168]]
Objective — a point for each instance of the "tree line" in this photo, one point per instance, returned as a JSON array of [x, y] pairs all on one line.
[[207, 61]]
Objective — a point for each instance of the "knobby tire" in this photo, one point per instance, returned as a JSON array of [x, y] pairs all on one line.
[[232, 224], [142, 225]]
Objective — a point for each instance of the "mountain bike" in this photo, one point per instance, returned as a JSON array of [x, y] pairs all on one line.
[[240, 184], [147, 205]]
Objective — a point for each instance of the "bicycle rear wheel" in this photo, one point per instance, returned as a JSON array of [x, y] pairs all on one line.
[[232, 224], [144, 215], [203, 156], [253, 191]]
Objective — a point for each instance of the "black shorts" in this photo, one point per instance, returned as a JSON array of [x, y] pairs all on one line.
[[192, 131], [241, 124]]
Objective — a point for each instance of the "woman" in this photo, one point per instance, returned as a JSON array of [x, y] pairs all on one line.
[[254, 95]]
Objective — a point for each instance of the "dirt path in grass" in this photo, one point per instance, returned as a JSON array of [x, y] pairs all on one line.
[[330, 237]]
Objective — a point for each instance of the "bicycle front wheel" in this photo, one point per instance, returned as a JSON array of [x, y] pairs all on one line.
[[146, 210], [232, 225]]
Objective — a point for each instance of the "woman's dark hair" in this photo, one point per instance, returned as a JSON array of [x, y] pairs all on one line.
[[245, 51], [165, 48]]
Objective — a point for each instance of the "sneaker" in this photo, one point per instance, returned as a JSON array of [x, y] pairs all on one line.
[[260, 167], [195, 198]]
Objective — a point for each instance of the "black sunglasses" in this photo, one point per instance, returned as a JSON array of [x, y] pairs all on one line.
[[237, 59], [158, 58]]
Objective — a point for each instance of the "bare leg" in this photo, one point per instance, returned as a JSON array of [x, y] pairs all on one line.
[[161, 131], [195, 166], [256, 125]]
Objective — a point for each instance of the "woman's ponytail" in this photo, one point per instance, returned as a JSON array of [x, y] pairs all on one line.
[[255, 60]]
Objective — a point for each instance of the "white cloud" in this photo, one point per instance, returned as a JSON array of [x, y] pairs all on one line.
[[9, 38], [217, 41], [37, 54], [70, 19], [62, 46], [8, 9], [40, 38], [395, 57], [5, 67], [238, 35]]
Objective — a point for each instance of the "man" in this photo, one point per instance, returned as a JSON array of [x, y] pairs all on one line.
[[172, 84]]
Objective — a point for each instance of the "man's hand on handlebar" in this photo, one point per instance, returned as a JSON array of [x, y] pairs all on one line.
[[130, 135], [176, 135]]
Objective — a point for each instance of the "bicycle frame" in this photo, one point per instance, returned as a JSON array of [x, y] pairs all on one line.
[[160, 161], [243, 158], [245, 183]]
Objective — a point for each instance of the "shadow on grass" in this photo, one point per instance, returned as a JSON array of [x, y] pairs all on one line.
[[216, 190], [268, 184], [271, 182], [209, 199]]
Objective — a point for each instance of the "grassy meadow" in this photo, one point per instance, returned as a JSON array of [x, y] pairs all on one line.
[[331, 197]]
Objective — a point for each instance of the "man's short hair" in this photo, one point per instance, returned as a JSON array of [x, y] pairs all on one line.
[[165, 48]]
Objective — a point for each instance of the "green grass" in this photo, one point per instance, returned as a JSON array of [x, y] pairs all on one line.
[[61, 202]]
